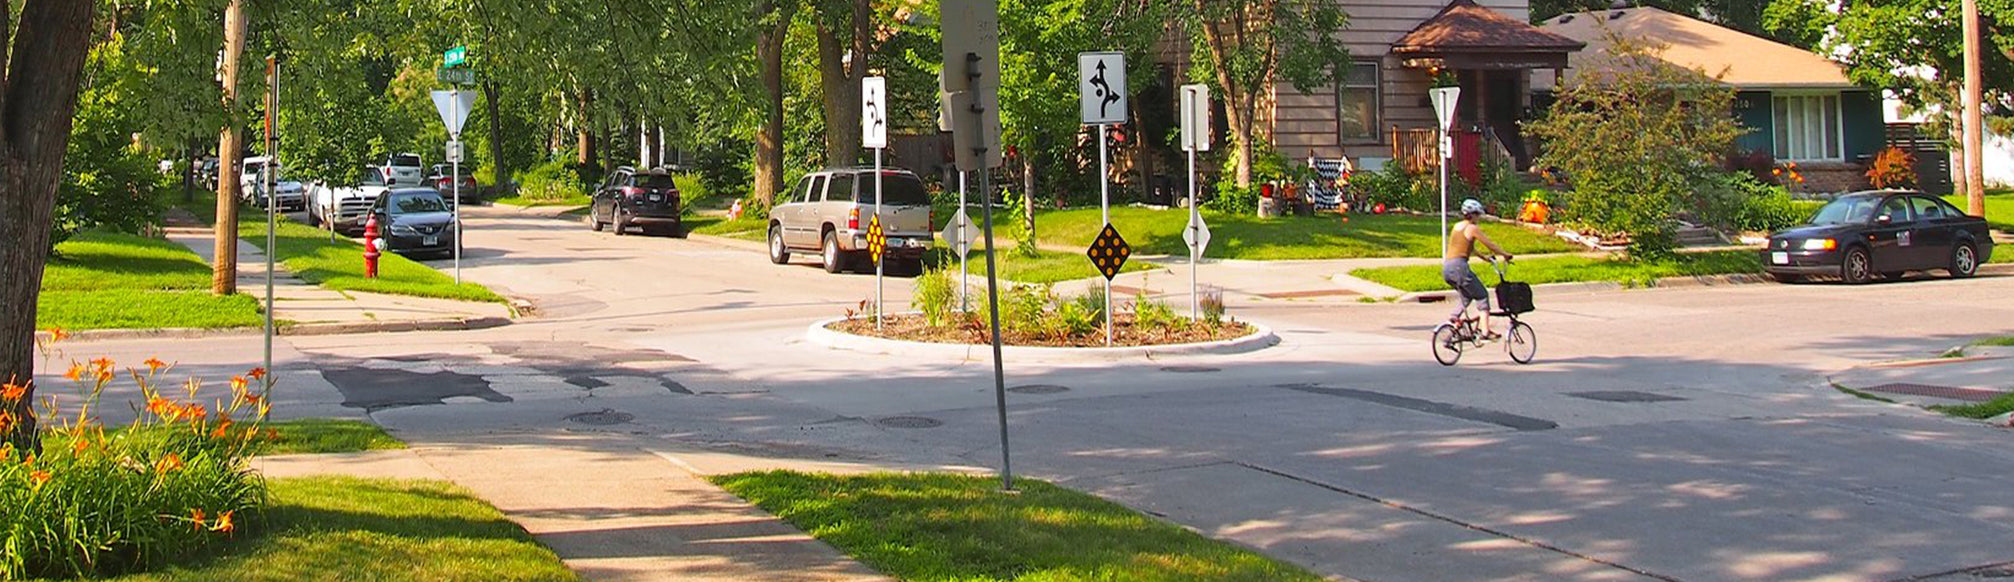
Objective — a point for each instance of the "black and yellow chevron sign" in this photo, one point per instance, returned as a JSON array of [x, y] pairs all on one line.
[[1108, 253], [877, 241]]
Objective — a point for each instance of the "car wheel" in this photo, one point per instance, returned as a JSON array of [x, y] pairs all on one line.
[[832, 258], [1857, 268], [778, 253], [593, 223], [1964, 261], [621, 222], [1785, 277]]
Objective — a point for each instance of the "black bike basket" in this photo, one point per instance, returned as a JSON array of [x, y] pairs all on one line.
[[1514, 297]]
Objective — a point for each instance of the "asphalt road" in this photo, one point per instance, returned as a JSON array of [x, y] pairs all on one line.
[[1662, 434]]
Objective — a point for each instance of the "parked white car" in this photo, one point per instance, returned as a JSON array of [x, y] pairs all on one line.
[[291, 195], [402, 170], [345, 208]]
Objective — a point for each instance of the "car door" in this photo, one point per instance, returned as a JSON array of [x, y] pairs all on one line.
[[799, 227], [1936, 232], [1891, 236], [605, 196], [837, 205]]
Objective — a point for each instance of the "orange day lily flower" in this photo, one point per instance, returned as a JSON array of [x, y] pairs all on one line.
[[12, 392], [102, 363], [40, 477], [258, 373], [76, 372], [223, 523], [238, 383], [155, 364], [56, 334], [196, 518], [169, 463]]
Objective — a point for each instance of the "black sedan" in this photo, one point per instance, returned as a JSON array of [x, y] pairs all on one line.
[[414, 221], [1884, 233]]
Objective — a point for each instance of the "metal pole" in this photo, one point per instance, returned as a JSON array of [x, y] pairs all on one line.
[[1195, 256], [1105, 211], [1443, 163], [272, 202], [878, 261], [992, 287], [964, 293], [455, 175]]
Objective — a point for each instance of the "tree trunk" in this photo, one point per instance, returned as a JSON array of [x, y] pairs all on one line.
[[1975, 168], [841, 83], [585, 130], [38, 95], [656, 139], [769, 141], [499, 171], [230, 147], [1028, 194]]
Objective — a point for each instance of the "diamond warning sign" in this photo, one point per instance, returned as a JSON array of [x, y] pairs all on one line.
[[1109, 252]]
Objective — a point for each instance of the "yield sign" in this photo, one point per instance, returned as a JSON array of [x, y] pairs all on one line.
[[1196, 235], [959, 233], [1445, 99], [1101, 87], [454, 108]]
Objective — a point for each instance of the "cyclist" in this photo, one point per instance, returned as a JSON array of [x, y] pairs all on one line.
[[1455, 271]]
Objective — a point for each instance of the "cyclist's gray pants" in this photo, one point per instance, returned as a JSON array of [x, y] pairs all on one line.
[[1457, 275]]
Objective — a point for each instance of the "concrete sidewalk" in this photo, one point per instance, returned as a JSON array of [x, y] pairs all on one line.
[[1981, 374], [610, 506], [313, 309]]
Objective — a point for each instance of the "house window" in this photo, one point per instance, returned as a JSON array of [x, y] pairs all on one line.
[[1807, 127], [1357, 103]]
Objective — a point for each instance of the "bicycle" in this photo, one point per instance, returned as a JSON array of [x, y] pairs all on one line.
[[1513, 298]]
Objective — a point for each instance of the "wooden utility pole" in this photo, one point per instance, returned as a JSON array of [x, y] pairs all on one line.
[[230, 148], [1975, 169]]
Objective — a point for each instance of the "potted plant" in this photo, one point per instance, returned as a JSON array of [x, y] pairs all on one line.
[[1536, 209]]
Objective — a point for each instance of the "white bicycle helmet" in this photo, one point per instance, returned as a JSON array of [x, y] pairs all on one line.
[[1471, 207]]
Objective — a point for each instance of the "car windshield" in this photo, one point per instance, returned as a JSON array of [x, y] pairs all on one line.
[[406, 161], [897, 189], [417, 202], [1848, 210]]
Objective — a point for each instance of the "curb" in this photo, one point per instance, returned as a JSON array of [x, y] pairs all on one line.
[[303, 329], [1261, 338], [1594, 286]]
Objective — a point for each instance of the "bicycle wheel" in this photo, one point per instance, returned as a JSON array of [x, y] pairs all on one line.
[[1522, 342], [1447, 344]]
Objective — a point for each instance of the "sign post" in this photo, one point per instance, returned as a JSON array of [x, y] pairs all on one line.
[[972, 80], [1445, 99], [454, 109], [272, 200], [1195, 138], [1101, 100], [874, 134]]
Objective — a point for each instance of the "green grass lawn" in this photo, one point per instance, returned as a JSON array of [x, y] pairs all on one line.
[[1572, 269], [937, 527], [1981, 410], [1151, 231], [339, 265], [1045, 267], [748, 227], [575, 200], [328, 435], [340, 528], [117, 281], [1999, 208]]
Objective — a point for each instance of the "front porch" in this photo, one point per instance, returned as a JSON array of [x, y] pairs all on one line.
[[1492, 58]]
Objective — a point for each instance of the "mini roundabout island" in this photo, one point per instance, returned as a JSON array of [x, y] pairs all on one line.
[[1034, 321]]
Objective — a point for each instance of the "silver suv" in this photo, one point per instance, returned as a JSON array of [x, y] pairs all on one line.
[[829, 212]]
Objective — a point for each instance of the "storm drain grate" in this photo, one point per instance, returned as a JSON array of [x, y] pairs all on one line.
[[1039, 389], [1190, 369], [1945, 392], [1624, 396], [606, 417], [909, 422]]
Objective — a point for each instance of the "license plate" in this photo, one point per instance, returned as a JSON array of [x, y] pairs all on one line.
[[656, 198], [1780, 258], [432, 240]]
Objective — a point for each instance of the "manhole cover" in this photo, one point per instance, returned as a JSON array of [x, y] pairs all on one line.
[[1039, 389], [1189, 369], [1624, 396], [1945, 392], [909, 422], [604, 418]]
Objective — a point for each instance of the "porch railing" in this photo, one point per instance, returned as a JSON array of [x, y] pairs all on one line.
[[1416, 150]]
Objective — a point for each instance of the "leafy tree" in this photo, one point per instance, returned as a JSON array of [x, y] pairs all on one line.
[[108, 181], [1913, 49], [1243, 47], [1635, 137]]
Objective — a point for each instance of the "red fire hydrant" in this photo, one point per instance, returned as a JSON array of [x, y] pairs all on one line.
[[371, 247]]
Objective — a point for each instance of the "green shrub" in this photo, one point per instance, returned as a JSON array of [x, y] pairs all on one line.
[[1024, 239], [553, 180], [1151, 314], [1211, 302], [107, 182], [1092, 301], [1231, 199], [1396, 188], [1737, 201], [936, 296], [94, 502], [1071, 319]]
